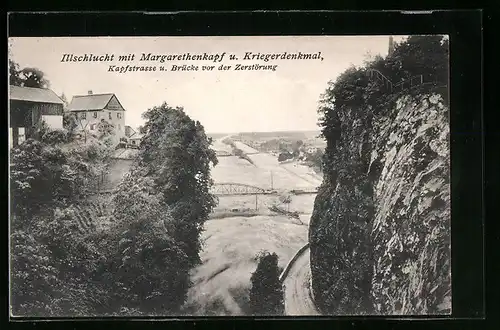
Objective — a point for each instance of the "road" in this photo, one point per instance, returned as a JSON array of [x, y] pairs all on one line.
[[298, 300]]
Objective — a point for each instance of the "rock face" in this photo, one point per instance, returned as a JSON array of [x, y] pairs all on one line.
[[380, 230]]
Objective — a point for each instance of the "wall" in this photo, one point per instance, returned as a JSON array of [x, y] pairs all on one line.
[[380, 230]]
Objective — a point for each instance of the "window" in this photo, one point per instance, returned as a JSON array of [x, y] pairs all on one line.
[[118, 115], [95, 114], [110, 115], [119, 127], [92, 127], [84, 115]]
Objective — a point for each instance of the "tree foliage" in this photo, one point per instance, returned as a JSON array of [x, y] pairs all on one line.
[[70, 123], [141, 269], [266, 293], [51, 262], [43, 176]]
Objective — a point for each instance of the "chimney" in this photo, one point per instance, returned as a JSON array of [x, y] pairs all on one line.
[[90, 92]]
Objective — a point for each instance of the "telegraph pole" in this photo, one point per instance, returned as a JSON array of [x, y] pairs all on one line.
[[256, 196], [271, 180]]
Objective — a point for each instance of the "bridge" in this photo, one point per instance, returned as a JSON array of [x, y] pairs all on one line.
[[237, 189]]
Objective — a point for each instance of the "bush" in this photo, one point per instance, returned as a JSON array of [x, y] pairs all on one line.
[[266, 294]]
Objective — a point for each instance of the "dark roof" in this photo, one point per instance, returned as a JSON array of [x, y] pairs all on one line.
[[90, 102], [29, 94]]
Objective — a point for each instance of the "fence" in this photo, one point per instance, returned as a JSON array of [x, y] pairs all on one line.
[[410, 83]]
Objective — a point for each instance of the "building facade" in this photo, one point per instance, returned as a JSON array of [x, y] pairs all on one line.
[[96, 113], [28, 108]]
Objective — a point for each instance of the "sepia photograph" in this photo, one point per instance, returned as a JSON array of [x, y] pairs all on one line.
[[229, 176]]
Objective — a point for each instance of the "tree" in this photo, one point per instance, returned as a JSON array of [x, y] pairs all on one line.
[[70, 123], [316, 158], [43, 176], [296, 145], [176, 153], [50, 265], [83, 127], [284, 156], [34, 77], [266, 293], [426, 55]]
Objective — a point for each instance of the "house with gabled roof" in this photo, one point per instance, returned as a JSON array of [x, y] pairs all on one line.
[[92, 111], [29, 107]]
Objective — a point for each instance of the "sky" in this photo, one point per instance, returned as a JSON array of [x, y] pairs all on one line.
[[223, 101]]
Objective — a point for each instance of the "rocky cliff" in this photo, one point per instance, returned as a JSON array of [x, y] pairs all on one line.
[[380, 230]]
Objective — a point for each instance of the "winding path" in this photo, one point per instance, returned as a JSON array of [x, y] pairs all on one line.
[[298, 300]]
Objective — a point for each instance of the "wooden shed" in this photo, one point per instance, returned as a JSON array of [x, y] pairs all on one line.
[[28, 107]]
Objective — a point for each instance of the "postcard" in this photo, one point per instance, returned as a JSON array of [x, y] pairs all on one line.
[[229, 176]]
